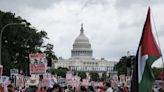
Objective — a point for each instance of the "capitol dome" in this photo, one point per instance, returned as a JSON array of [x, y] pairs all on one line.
[[81, 47]]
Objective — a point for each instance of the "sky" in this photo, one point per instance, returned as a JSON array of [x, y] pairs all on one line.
[[113, 27]]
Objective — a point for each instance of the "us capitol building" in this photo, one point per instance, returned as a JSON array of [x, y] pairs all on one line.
[[82, 60]]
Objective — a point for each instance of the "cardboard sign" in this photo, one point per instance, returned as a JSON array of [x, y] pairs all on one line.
[[85, 82], [98, 84], [37, 69], [122, 78], [69, 76], [77, 78], [45, 83], [38, 63], [13, 72], [20, 81], [37, 58]]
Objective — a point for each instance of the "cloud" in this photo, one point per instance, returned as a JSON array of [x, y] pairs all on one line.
[[127, 4], [112, 26], [96, 2], [9, 4]]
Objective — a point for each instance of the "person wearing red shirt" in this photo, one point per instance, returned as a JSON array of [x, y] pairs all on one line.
[[38, 90]]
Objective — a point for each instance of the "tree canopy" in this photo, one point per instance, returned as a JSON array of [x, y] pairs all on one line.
[[82, 75], [124, 64], [157, 71], [59, 72], [94, 76], [18, 41]]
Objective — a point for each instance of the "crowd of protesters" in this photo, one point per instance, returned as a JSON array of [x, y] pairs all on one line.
[[107, 86], [57, 88]]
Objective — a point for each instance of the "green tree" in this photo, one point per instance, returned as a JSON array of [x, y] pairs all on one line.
[[104, 76], [156, 71], [50, 55], [60, 71], [49, 51], [18, 42], [82, 75], [121, 66], [94, 76], [124, 64]]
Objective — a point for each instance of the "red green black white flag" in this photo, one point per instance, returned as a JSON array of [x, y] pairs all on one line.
[[147, 53]]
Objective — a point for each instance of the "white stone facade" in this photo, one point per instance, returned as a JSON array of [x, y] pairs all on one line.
[[86, 65], [82, 59]]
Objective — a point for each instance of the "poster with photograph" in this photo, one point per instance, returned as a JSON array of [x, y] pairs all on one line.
[[38, 63]]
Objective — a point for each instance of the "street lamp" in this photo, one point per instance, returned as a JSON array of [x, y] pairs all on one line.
[[2, 30]]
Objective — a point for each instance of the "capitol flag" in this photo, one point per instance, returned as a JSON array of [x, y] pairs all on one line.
[[147, 53]]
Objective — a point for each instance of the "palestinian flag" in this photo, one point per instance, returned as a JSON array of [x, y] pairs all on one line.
[[147, 53]]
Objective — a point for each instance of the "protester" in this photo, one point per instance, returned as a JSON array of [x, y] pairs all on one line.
[[66, 89], [155, 89], [49, 89], [161, 89], [16, 89], [24, 89], [102, 89], [108, 87], [38, 90], [124, 87], [44, 89], [91, 89], [1, 87], [56, 88], [83, 89], [10, 88], [33, 83]]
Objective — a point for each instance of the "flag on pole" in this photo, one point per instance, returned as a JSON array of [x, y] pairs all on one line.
[[147, 53]]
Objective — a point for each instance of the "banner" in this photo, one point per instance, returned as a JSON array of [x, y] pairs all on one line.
[[74, 81], [54, 79], [77, 78], [122, 78], [38, 63], [37, 58], [4, 81], [90, 68], [115, 78], [75, 84], [98, 84], [45, 83], [37, 69], [20, 81]]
